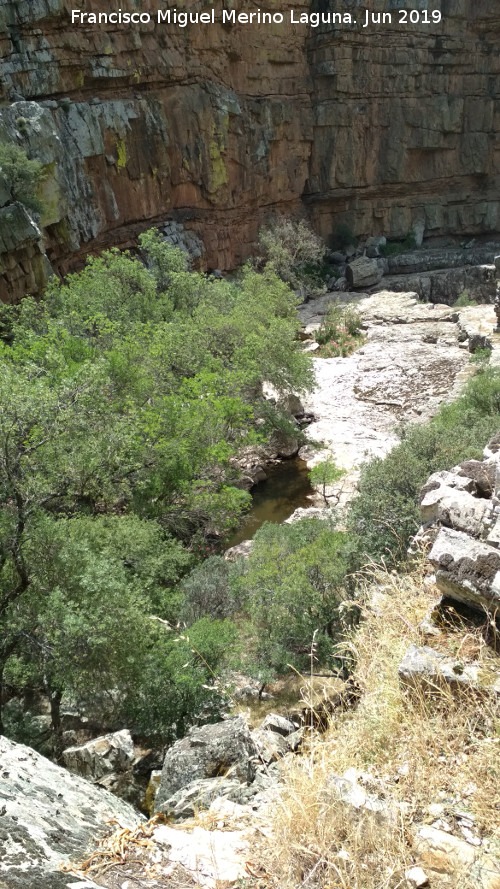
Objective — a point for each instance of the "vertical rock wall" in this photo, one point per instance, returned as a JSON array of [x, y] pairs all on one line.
[[406, 122], [219, 126]]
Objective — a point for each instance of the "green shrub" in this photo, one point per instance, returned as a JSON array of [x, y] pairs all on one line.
[[340, 332], [292, 585], [125, 393], [206, 591], [465, 300], [395, 248], [385, 514], [21, 174], [293, 250], [324, 474], [481, 356]]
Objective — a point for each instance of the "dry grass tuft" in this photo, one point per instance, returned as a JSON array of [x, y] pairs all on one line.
[[413, 748], [123, 846]]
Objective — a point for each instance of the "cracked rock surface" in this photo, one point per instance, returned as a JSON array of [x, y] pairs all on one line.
[[48, 816], [411, 362]]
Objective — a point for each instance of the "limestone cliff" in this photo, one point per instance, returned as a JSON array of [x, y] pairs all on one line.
[[219, 125]]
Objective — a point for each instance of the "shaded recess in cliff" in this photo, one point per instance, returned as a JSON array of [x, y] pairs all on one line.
[[219, 126]]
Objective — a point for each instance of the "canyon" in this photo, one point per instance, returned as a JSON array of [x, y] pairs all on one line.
[[377, 130]]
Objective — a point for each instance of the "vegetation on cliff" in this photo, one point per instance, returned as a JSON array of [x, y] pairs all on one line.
[[123, 396], [20, 174], [414, 757], [386, 515]]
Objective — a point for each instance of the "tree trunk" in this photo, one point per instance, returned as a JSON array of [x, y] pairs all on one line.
[[1, 699], [55, 716]]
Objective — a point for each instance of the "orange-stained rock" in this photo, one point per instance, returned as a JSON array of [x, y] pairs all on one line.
[[219, 126]]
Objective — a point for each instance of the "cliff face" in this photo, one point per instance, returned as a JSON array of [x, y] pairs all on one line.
[[219, 126], [406, 122]]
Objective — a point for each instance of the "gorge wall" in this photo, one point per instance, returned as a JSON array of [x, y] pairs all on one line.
[[219, 126]]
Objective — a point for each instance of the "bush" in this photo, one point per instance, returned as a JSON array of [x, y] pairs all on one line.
[[465, 300], [344, 237], [339, 333], [206, 591], [294, 251], [325, 474], [292, 586], [122, 405], [386, 514], [21, 174], [395, 248], [481, 357]]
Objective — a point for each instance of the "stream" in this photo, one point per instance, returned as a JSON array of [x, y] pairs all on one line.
[[286, 489]]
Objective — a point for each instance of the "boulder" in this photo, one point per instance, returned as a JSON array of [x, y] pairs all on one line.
[[284, 445], [416, 878], [455, 508], [101, 756], [278, 724], [493, 447], [336, 257], [198, 795], [48, 816], [239, 551], [249, 465], [213, 857], [271, 746], [349, 789], [445, 855], [376, 241], [363, 272], [443, 851], [483, 475], [446, 478], [213, 751], [422, 667], [341, 285], [476, 324], [467, 570]]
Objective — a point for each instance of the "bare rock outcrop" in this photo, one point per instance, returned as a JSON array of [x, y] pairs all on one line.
[[467, 569], [423, 667], [411, 362], [460, 510], [48, 816], [212, 756], [363, 273], [101, 756]]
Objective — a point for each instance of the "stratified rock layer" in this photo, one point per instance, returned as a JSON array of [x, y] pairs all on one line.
[[387, 129]]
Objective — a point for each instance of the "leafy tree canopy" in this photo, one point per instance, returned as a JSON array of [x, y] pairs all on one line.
[[123, 395]]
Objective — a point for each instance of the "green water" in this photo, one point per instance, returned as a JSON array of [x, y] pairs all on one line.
[[286, 488]]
